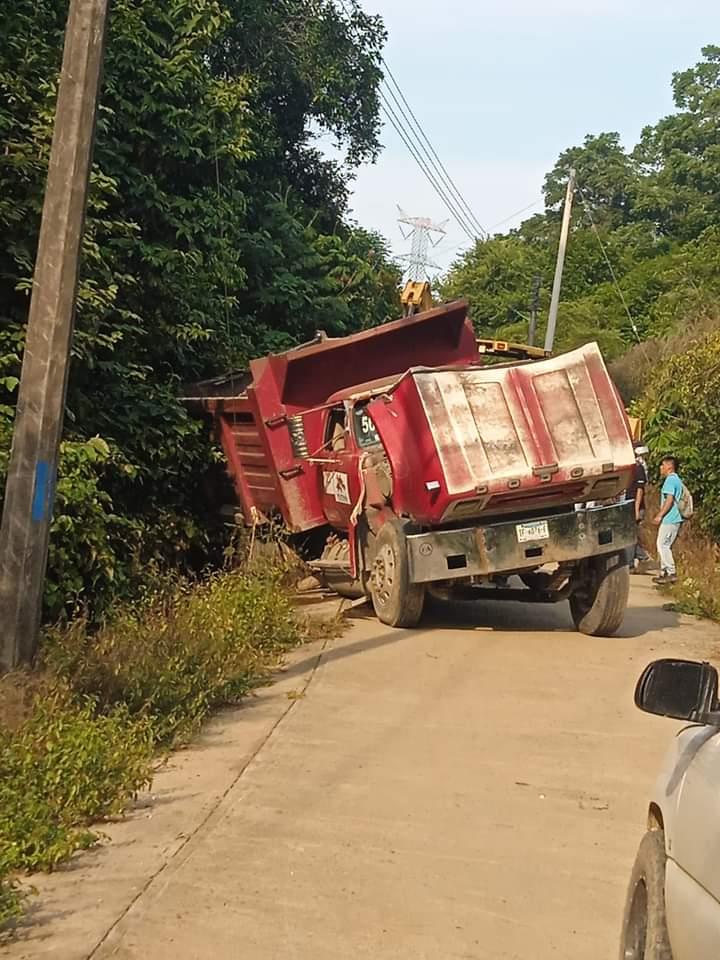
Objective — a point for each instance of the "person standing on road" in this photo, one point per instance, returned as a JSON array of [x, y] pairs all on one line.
[[636, 493], [669, 520]]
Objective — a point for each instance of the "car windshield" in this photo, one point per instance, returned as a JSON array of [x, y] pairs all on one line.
[[365, 432]]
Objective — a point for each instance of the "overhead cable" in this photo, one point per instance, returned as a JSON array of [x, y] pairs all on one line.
[[457, 214], [595, 230], [423, 152], [433, 157]]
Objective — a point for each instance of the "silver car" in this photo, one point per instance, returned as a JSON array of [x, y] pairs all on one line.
[[672, 910]]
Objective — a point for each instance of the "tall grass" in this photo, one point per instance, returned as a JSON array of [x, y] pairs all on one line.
[[698, 587], [78, 735], [698, 564], [634, 371], [178, 655]]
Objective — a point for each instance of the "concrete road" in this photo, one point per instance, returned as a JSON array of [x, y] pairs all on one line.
[[473, 789]]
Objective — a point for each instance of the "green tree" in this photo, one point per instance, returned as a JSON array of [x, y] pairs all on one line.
[[607, 176], [216, 230], [680, 407], [642, 253], [680, 155]]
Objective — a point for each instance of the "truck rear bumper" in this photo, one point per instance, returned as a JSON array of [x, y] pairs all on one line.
[[503, 548]]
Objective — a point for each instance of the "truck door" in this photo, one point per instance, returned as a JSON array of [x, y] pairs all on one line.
[[339, 475]]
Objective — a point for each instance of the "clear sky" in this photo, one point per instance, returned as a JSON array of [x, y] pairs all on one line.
[[501, 87]]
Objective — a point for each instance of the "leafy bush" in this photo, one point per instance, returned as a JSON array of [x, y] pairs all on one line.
[[698, 561], [635, 370], [216, 230], [65, 767], [173, 657], [680, 409], [698, 589], [92, 547], [77, 738], [11, 898]]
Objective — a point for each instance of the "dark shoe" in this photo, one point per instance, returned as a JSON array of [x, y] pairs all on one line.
[[665, 579]]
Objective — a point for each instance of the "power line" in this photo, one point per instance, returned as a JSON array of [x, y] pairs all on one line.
[[423, 152], [498, 224], [412, 148], [426, 157], [442, 170], [607, 261], [422, 159], [516, 214]]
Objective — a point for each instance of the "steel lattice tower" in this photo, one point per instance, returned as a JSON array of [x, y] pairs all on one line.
[[421, 240]]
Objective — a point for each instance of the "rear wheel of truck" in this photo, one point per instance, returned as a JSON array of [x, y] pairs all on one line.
[[397, 601], [598, 604], [336, 574]]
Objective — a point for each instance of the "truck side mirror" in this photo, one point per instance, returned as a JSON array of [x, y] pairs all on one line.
[[681, 689]]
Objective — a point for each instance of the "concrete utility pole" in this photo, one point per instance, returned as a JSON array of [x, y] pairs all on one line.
[[30, 485], [557, 282], [534, 308]]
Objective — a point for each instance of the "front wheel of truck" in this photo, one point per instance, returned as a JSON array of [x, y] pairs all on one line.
[[397, 601], [600, 599]]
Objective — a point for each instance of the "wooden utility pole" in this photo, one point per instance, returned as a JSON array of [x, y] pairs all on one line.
[[30, 484], [557, 282], [534, 308]]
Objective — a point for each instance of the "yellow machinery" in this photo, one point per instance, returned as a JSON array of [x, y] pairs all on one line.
[[416, 297], [511, 351], [636, 428]]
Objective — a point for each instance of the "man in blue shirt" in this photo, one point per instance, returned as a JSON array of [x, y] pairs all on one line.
[[669, 519]]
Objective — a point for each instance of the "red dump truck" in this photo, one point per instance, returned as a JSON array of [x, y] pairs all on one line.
[[404, 463]]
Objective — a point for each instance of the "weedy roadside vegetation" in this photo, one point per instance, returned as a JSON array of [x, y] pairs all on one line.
[[81, 733]]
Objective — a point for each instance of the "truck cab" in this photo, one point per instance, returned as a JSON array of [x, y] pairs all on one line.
[[351, 444]]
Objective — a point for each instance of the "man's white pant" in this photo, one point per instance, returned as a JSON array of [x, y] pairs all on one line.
[[667, 535]]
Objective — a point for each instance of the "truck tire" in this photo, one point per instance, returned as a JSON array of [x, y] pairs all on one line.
[[396, 601], [644, 931], [599, 603], [338, 551]]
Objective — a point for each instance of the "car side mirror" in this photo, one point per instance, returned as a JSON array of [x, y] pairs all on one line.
[[681, 689]]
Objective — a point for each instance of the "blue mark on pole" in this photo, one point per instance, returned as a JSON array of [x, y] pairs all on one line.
[[41, 494]]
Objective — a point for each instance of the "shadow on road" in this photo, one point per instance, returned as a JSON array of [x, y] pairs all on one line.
[[488, 615], [640, 619], [349, 650]]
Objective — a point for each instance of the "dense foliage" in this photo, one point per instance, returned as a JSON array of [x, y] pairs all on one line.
[[681, 406], [656, 210], [216, 231], [77, 737]]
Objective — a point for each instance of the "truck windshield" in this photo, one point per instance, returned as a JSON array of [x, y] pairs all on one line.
[[365, 432]]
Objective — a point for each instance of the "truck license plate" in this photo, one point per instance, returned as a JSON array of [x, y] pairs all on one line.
[[538, 530]]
